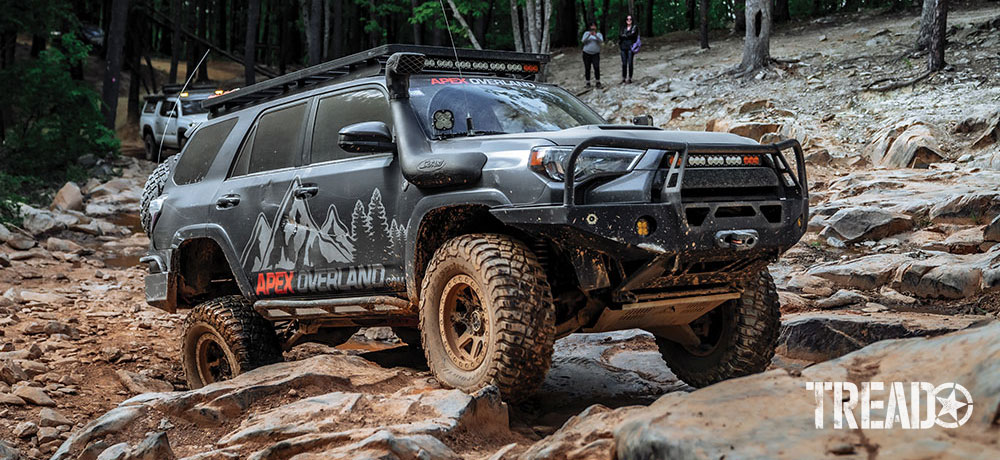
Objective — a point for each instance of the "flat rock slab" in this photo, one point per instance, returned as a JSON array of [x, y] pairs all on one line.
[[819, 336], [772, 415]]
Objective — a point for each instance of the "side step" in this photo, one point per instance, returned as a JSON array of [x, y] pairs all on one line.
[[337, 308]]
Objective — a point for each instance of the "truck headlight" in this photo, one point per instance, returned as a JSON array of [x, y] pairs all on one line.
[[593, 162]]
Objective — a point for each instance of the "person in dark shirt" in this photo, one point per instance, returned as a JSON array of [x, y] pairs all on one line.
[[592, 41], [626, 41]]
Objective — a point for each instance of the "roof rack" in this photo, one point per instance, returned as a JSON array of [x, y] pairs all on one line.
[[368, 63], [173, 89]]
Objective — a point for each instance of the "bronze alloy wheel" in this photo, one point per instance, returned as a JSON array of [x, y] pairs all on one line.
[[215, 363], [464, 324]]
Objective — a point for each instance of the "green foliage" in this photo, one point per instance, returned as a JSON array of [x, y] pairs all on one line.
[[52, 118]]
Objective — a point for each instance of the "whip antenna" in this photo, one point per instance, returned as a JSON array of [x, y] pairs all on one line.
[[468, 114], [163, 135]]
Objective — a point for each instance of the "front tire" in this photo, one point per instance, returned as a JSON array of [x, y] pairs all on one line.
[[149, 144], [486, 316], [738, 337], [223, 338]]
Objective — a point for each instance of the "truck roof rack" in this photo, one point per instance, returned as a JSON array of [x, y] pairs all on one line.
[[372, 62]]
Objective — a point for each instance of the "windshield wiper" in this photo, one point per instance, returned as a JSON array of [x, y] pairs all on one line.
[[466, 133]]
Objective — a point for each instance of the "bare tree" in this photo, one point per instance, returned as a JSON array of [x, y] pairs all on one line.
[[938, 38], [465, 25], [537, 19], [314, 31], [417, 30], [757, 41], [703, 33], [515, 21], [250, 43], [113, 68]]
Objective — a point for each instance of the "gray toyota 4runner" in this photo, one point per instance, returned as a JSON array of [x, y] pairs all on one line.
[[477, 212]]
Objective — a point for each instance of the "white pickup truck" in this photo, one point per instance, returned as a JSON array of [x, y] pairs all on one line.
[[169, 117]]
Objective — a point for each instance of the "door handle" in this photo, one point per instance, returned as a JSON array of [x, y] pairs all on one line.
[[227, 201], [306, 191]]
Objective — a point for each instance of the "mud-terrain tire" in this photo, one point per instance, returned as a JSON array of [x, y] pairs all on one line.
[[506, 308], [744, 332], [149, 146], [153, 189], [228, 331]]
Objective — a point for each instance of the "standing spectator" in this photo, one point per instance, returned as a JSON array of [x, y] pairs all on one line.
[[626, 42], [592, 41]]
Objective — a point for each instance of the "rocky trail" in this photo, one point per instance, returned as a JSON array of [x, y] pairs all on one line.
[[903, 243]]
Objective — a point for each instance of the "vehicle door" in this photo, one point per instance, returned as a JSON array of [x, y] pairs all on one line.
[[255, 202], [355, 236]]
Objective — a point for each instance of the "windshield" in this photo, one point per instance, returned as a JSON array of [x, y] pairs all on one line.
[[496, 106], [192, 106]]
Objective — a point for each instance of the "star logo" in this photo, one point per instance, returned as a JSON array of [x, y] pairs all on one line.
[[958, 398]]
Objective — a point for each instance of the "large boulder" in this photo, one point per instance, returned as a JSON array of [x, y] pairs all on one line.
[[869, 272], [68, 198], [908, 144], [863, 223], [773, 415]]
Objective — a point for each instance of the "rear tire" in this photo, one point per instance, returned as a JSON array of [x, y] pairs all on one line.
[[486, 316], [738, 337], [225, 337], [149, 144], [154, 187]]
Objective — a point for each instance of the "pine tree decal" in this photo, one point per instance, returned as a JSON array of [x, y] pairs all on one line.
[[376, 213], [358, 218]]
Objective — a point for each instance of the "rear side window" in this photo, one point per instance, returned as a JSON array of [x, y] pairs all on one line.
[[338, 111], [200, 152], [274, 143], [150, 107]]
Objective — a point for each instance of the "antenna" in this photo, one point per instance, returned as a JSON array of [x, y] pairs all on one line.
[[468, 114], [163, 135]]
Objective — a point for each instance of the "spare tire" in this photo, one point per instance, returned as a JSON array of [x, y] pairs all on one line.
[[153, 189]]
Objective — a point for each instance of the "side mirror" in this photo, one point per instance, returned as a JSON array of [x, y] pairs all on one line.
[[367, 137], [643, 120]]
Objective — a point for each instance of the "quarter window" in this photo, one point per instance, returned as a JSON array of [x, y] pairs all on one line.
[[200, 152], [274, 143], [338, 111]]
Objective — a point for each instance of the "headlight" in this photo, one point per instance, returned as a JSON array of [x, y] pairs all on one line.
[[593, 162]]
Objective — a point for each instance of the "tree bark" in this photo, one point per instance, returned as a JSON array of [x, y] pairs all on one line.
[[605, 14], [113, 67], [926, 24], [515, 23], [757, 41], [530, 17], [649, 18], [250, 42], [326, 30], [703, 33], [938, 38], [175, 40], [338, 28]]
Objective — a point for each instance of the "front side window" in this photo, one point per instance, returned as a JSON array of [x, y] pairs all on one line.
[[495, 106], [200, 152], [167, 106], [274, 143], [192, 106], [150, 107], [337, 111]]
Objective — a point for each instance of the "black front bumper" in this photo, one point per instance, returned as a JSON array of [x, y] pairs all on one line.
[[763, 229]]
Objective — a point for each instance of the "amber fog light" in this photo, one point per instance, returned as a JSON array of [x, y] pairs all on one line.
[[645, 226]]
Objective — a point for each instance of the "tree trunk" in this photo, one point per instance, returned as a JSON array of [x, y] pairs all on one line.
[[113, 67], [689, 13], [373, 34], [250, 42], [326, 30], [338, 28], [605, 14], [37, 45], [757, 41], [781, 13], [417, 29], [515, 24], [649, 18], [703, 33], [315, 30], [926, 24], [220, 25], [938, 38], [175, 39], [530, 18], [133, 53], [203, 33]]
